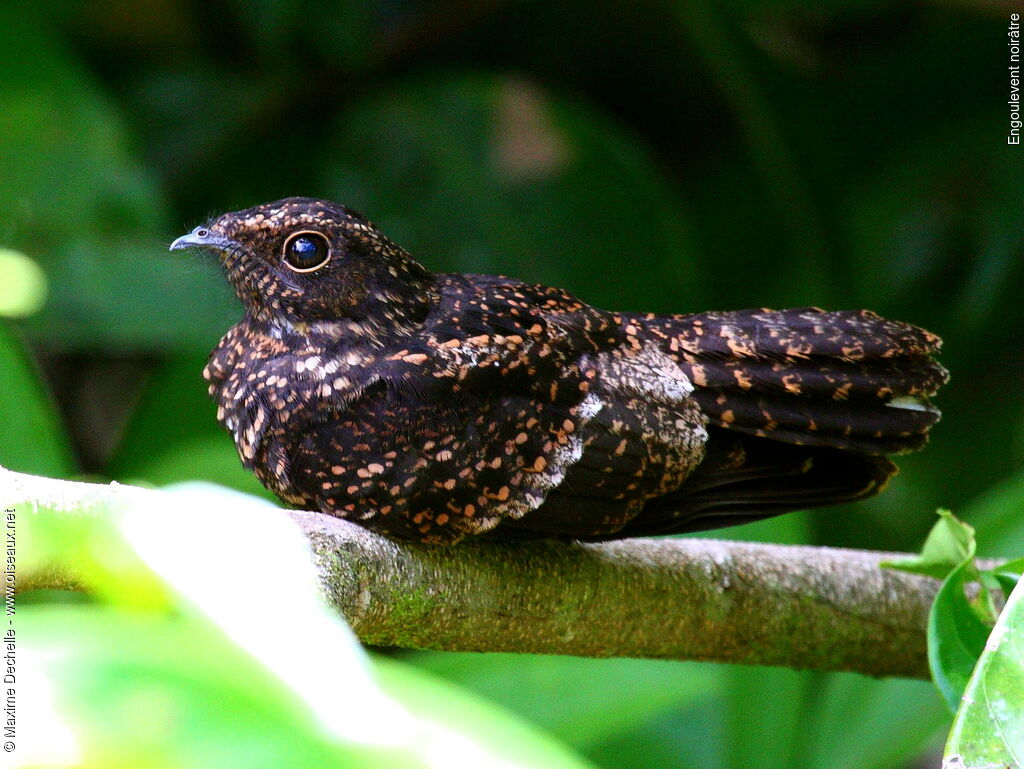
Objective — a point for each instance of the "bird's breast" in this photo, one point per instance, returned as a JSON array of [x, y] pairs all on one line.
[[269, 392]]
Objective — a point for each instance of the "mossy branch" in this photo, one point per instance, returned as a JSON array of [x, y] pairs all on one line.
[[693, 599]]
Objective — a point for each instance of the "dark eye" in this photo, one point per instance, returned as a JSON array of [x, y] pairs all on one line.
[[306, 251]]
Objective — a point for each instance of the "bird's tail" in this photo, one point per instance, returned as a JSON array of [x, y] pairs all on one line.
[[848, 380]]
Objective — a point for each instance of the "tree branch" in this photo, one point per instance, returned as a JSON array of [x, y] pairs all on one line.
[[695, 599]]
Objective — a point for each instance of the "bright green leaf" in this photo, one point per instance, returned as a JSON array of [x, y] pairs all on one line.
[[240, 664], [1015, 566], [956, 636], [950, 543], [989, 726], [109, 689], [1005, 576], [1007, 581], [88, 551]]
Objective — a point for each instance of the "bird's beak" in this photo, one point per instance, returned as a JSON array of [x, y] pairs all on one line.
[[204, 237]]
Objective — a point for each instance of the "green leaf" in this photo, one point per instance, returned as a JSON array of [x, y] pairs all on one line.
[[753, 737], [1015, 566], [509, 738], [988, 730], [87, 551], [956, 636], [79, 202], [949, 544], [207, 457], [855, 722], [32, 439], [140, 689], [582, 701], [998, 516], [231, 663], [1007, 581], [1005, 576], [174, 436]]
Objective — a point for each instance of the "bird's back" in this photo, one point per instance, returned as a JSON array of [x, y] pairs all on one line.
[[434, 407]]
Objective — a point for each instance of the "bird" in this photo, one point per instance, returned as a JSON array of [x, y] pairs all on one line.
[[439, 407]]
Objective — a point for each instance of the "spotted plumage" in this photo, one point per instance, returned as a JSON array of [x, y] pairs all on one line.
[[432, 407]]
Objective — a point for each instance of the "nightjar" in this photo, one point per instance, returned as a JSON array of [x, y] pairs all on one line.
[[435, 406]]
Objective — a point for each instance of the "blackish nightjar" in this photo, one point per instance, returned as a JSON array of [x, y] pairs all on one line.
[[431, 407]]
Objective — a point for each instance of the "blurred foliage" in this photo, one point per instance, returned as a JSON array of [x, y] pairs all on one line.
[[661, 155], [181, 665]]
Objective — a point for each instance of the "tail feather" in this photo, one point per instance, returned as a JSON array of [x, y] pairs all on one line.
[[850, 380], [805, 332], [871, 428], [830, 378]]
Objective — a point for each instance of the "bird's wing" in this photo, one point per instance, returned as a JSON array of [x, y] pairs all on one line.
[[799, 405], [848, 380], [476, 422], [441, 469], [643, 442]]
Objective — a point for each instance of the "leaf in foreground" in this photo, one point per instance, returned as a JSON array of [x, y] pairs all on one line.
[[988, 730], [956, 636], [235, 661]]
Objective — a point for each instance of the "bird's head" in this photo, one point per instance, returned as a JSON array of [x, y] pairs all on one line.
[[303, 260]]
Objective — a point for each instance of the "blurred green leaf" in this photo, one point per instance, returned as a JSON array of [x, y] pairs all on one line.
[[989, 726], [920, 225], [582, 701], [88, 551], [32, 439], [174, 406], [765, 706], [338, 31], [203, 674], [505, 736], [77, 200], [24, 284], [157, 691], [998, 516], [1015, 566], [855, 722], [205, 458], [174, 436]]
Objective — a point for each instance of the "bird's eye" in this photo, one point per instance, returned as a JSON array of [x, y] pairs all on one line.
[[306, 251]]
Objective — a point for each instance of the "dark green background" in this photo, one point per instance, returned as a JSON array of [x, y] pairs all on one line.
[[665, 156]]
